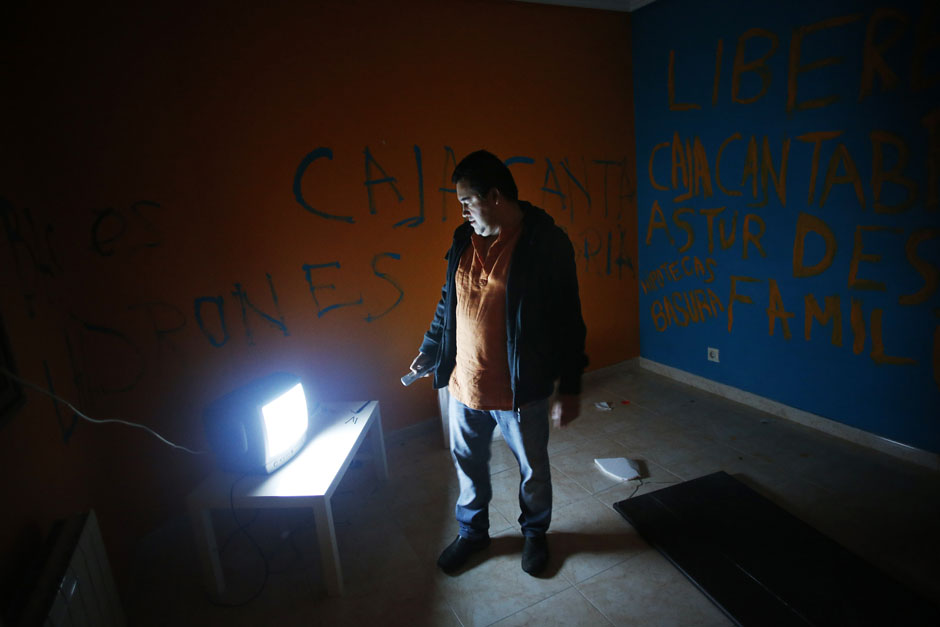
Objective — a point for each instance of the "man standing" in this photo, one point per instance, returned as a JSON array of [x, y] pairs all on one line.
[[508, 325]]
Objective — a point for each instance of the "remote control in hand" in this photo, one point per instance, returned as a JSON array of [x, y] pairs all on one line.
[[411, 377]]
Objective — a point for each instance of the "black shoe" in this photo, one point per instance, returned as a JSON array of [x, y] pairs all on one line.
[[534, 554], [455, 555]]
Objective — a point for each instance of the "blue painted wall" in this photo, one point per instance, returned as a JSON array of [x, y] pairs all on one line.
[[787, 159]]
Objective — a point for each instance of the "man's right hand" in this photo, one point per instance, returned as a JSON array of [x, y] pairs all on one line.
[[422, 364]]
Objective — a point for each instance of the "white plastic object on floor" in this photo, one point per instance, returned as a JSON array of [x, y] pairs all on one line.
[[619, 468]]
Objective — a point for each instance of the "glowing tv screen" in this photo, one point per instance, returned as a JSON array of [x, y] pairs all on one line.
[[260, 426]]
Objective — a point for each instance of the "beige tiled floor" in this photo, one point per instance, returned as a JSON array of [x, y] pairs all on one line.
[[600, 573]]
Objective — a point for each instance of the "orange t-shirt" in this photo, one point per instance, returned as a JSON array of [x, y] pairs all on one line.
[[481, 376]]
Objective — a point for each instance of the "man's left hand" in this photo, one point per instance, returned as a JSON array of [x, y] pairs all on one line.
[[566, 408]]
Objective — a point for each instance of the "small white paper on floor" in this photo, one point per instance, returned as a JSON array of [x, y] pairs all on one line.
[[619, 468], [603, 405]]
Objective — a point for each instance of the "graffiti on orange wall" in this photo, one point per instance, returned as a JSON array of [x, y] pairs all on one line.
[[587, 196]]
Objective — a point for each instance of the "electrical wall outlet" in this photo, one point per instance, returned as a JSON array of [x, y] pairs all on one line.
[[713, 354]]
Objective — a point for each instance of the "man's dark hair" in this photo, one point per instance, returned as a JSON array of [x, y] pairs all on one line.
[[482, 171]]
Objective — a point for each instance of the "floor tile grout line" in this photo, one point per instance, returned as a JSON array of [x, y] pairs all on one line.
[[570, 585], [577, 585], [456, 615], [591, 603]]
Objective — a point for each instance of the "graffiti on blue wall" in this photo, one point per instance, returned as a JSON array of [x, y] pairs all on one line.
[[788, 162]]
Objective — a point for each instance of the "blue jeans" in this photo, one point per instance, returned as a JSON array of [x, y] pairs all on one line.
[[526, 433]]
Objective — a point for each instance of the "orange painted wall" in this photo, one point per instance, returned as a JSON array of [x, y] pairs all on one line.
[[149, 160]]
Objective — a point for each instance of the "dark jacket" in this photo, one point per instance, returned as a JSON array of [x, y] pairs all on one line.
[[544, 328]]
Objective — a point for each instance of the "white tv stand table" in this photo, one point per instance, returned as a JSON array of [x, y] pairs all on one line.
[[307, 480]]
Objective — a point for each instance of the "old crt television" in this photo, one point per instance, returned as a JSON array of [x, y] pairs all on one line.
[[258, 427]]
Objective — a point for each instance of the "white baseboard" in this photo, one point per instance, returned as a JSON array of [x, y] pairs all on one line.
[[805, 418]]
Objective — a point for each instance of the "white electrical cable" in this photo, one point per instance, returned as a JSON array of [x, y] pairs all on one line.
[[96, 420]]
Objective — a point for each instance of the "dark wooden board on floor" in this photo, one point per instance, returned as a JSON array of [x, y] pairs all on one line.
[[763, 566]]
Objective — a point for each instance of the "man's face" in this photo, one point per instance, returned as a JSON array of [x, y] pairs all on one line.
[[480, 212]]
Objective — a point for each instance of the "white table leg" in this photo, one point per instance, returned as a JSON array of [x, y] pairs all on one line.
[[329, 553], [378, 447], [208, 549]]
